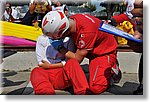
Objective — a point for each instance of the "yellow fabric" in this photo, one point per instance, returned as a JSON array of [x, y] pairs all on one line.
[[19, 30], [127, 27], [36, 24]]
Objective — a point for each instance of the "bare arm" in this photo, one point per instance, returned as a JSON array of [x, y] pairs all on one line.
[[79, 54], [32, 7]]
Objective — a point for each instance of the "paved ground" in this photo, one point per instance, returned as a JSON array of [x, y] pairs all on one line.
[[15, 73], [16, 83], [27, 60]]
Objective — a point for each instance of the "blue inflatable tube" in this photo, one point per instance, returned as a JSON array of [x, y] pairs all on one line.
[[117, 32]]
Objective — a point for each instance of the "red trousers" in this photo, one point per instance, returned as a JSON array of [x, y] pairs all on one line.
[[100, 72], [45, 81]]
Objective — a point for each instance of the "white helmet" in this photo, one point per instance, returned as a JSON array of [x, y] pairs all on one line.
[[55, 22]]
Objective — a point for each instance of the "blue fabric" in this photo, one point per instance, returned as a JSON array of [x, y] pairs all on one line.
[[56, 43]]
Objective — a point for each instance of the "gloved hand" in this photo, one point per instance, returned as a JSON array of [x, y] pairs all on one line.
[[57, 44]]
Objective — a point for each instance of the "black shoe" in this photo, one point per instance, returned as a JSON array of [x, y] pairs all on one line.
[[89, 92], [139, 90], [70, 90]]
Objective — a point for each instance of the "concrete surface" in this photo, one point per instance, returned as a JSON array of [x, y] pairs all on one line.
[[15, 73], [14, 82], [27, 60], [20, 61], [17, 83], [129, 61]]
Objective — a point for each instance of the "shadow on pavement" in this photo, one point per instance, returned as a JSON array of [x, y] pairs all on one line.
[[5, 53], [16, 92], [9, 74], [85, 68], [127, 89], [28, 91], [7, 82]]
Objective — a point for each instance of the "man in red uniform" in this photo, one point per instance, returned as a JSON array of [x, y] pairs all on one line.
[[98, 46]]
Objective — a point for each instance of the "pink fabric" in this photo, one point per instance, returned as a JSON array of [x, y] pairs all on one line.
[[9, 40]]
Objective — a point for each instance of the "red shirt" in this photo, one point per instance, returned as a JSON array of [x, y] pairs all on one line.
[[123, 17], [88, 36]]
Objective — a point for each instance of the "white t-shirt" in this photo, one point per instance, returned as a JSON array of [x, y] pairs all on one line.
[[14, 13], [45, 51], [130, 7]]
